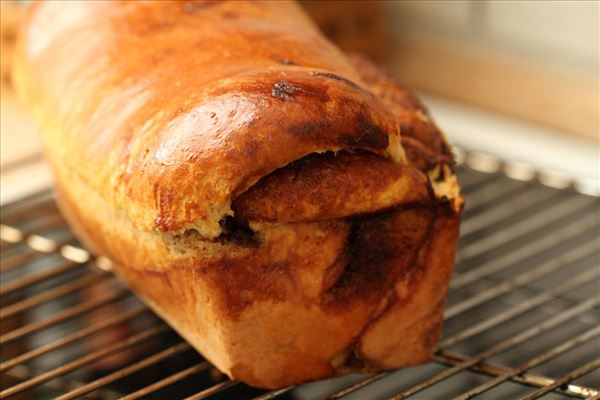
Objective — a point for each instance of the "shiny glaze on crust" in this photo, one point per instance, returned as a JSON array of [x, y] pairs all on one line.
[[209, 102], [422, 140], [156, 116], [363, 183]]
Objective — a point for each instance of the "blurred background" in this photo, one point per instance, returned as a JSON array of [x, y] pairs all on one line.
[[516, 79], [511, 81]]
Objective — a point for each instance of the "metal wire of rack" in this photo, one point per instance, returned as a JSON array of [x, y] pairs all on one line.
[[521, 320]]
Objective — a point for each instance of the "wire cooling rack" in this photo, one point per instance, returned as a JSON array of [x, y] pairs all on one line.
[[521, 320]]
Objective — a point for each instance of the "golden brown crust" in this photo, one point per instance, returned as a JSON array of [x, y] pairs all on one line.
[[171, 132], [327, 186], [423, 142], [337, 250]]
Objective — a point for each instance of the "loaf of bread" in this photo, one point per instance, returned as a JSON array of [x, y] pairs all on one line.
[[290, 211]]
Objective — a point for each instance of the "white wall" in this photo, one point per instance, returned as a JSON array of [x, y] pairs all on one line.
[[562, 33]]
